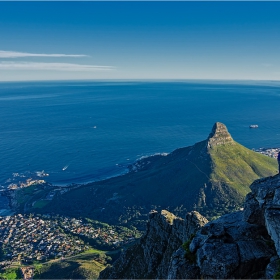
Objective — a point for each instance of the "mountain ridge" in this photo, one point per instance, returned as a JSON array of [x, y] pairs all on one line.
[[212, 176]]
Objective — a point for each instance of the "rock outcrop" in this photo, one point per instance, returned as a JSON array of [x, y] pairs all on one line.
[[219, 136], [150, 257], [232, 248], [244, 244], [180, 268], [263, 206]]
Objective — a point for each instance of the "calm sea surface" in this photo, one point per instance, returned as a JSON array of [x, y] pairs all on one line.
[[83, 131]]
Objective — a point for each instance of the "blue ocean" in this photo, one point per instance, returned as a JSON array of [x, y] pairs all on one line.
[[79, 132]]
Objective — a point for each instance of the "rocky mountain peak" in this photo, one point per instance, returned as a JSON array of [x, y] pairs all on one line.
[[219, 136]]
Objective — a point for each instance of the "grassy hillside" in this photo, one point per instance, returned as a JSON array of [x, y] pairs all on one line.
[[10, 273], [86, 265], [82, 266], [238, 166]]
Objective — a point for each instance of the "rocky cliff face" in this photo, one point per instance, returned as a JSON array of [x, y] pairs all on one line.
[[150, 258], [243, 244], [263, 207], [219, 136], [232, 248]]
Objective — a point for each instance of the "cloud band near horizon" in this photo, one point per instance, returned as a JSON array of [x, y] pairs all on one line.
[[13, 54], [52, 66]]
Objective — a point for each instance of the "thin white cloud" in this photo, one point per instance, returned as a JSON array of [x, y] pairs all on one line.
[[11, 54], [9, 65]]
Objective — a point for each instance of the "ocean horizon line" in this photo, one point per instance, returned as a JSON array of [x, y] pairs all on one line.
[[138, 80]]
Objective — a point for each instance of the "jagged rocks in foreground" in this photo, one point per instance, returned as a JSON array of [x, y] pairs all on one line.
[[150, 258], [243, 244], [232, 248]]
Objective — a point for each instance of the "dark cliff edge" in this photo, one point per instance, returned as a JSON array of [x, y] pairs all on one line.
[[244, 244]]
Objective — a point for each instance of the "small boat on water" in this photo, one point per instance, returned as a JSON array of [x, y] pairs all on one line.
[[253, 126], [41, 173], [65, 167]]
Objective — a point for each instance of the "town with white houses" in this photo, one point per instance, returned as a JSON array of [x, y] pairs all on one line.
[[271, 152], [29, 238]]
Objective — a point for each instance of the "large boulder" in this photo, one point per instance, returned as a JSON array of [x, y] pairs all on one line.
[[193, 222], [272, 268], [181, 268], [263, 206], [232, 248]]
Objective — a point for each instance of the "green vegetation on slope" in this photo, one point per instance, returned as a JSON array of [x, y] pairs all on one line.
[[188, 254], [31, 196], [238, 166], [41, 203], [10, 274], [82, 266]]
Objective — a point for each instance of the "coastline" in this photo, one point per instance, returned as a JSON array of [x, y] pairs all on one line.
[[10, 193], [6, 213], [9, 209]]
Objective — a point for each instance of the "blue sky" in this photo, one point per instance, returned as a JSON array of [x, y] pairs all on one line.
[[139, 40]]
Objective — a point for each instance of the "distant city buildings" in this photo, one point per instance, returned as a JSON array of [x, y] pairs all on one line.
[[271, 152], [29, 238]]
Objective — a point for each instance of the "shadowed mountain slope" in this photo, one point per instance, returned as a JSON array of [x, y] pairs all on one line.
[[212, 176]]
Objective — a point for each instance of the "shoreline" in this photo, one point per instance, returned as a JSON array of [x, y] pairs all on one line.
[[4, 212], [90, 181], [10, 193]]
